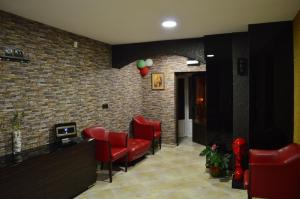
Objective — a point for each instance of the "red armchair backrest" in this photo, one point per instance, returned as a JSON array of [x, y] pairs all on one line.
[[139, 119], [96, 132], [106, 142], [142, 129], [103, 151], [290, 154], [274, 174], [103, 148], [118, 139]]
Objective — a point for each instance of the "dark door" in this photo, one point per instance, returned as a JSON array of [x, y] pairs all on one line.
[[180, 101], [198, 107]]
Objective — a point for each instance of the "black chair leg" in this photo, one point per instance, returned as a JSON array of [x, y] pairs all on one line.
[[153, 147], [110, 171], [249, 196], [126, 163], [160, 142]]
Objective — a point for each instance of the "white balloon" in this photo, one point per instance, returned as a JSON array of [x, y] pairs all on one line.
[[149, 62]]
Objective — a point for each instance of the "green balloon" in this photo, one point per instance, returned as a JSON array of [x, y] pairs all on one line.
[[141, 64]]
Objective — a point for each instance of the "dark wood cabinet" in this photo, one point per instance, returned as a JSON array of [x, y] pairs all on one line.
[[60, 174]]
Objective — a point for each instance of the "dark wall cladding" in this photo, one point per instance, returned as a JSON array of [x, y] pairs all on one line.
[[127, 53], [271, 85], [219, 89], [240, 50]]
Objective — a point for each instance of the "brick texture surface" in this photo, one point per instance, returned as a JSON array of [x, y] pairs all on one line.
[[62, 84], [160, 104]]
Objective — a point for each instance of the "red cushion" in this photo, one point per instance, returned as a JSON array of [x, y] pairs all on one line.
[[137, 148], [117, 153]]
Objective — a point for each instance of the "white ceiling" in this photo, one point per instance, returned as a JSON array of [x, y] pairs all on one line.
[[131, 21]]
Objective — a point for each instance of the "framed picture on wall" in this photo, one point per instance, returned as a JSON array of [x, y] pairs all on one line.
[[158, 81]]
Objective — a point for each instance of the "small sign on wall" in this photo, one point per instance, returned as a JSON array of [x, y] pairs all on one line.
[[242, 66]]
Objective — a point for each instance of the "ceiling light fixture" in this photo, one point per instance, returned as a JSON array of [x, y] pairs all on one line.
[[210, 55], [192, 62], [169, 24]]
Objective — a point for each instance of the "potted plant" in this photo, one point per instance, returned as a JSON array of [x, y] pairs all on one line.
[[216, 162], [17, 122]]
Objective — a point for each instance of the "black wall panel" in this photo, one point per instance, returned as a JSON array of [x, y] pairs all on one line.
[[219, 88], [126, 53], [271, 85], [240, 51]]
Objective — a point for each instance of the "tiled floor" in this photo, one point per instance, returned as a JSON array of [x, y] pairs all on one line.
[[173, 172]]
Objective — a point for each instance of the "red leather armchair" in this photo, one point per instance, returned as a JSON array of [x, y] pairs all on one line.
[[274, 174], [147, 129], [110, 146]]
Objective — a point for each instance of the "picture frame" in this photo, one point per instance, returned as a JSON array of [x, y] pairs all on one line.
[[158, 81]]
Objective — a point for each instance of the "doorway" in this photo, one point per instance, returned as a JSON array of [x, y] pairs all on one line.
[[191, 107]]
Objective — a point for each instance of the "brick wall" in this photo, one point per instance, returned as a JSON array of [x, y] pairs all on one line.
[[62, 83], [160, 104], [134, 95]]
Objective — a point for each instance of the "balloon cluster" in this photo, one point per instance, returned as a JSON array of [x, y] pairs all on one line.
[[144, 66]]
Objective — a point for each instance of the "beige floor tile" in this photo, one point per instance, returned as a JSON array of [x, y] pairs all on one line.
[[173, 172]]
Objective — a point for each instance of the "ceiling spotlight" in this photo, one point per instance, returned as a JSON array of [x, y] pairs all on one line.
[[192, 62], [169, 24], [210, 55]]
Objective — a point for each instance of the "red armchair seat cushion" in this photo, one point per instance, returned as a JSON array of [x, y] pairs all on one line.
[[137, 148], [117, 153]]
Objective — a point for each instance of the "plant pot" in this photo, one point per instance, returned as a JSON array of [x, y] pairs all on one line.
[[215, 171], [17, 142]]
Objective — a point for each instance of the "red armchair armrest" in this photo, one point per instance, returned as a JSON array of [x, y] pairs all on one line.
[[118, 139], [144, 131], [263, 156], [274, 173]]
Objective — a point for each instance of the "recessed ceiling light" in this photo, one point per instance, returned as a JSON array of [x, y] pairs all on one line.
[[192, 62], [169, 24], [210, 55]]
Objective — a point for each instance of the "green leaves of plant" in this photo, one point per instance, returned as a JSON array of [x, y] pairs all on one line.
[[214, 158], [17, 120]]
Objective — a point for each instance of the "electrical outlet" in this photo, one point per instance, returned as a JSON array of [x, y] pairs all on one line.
[[75, 44], [104, 106]]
